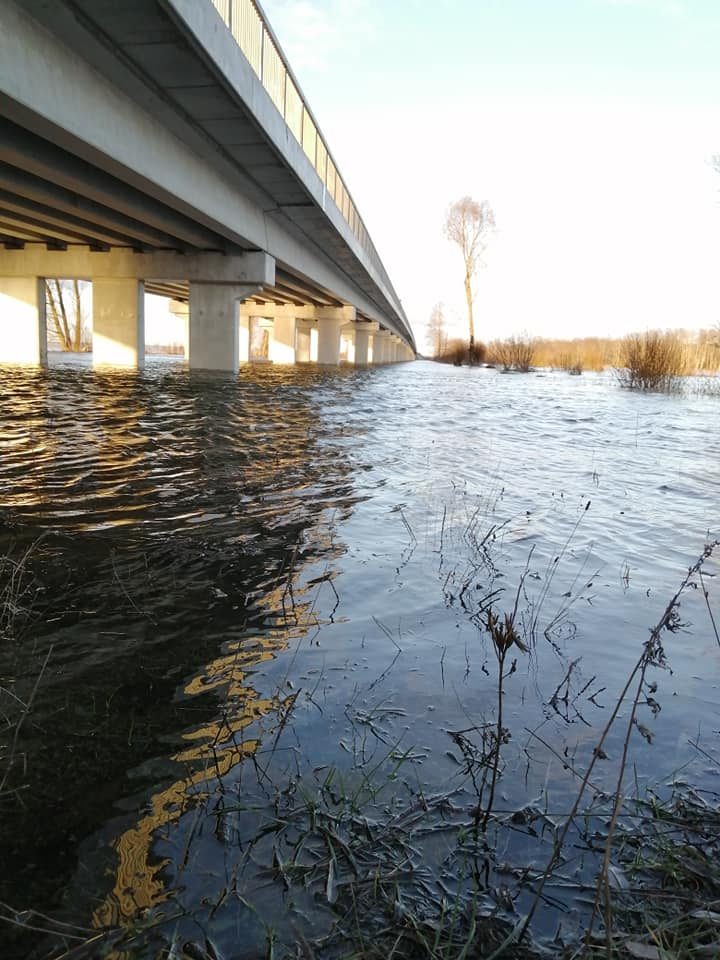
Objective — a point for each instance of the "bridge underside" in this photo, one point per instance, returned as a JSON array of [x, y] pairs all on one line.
[[233, 308], [159, 146]]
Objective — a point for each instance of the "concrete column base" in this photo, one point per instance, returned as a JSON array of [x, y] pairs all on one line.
[[23, 326], [328, 350], [182, 311], [304, 346], [381, 347], [362, 347], [282, 341], [118, 323], [347, 345], [244, 338], [219, 334]]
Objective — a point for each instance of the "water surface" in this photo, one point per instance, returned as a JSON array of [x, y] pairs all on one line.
[[240, 584]]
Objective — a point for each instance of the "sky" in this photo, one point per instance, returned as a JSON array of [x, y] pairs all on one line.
[[588, 125]]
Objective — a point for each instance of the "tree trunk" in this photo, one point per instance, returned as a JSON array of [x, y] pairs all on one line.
[[57, 312], [471, 322], [77, 339]]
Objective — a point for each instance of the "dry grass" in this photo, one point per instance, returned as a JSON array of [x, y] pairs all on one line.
[[700, 352], [651, 361], [514, 353], [18, 591], [458, 352]]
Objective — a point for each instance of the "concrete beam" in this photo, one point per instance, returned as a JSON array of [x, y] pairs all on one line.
[[23, 328], [82, 263], [346, 314]]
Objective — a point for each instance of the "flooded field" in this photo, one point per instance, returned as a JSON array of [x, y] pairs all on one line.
[[310, 650]]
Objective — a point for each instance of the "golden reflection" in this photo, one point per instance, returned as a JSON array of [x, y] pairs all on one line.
[[213, 750]]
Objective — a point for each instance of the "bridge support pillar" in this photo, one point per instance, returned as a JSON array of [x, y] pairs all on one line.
[[118, 323], [282, 342], [23, 329], [305, 341], [218, 336], [381, 348], [362, 347], [347, 345], [362, 331], [182, 311], [328, 351]]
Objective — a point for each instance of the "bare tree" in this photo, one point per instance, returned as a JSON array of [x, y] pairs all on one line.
[[469, 223], [437, 335], [65, 310]]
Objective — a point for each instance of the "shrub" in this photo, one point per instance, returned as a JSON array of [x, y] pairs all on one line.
[[651, 361], [476, 353], [458, 351], [513, 353]]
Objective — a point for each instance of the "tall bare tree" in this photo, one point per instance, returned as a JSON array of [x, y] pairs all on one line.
[[65, 310], [437, 335], [469, 223]]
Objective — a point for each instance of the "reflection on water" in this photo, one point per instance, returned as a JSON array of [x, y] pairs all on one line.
[[242, 583]]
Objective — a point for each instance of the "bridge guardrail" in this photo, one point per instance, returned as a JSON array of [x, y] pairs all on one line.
[[252, 33]]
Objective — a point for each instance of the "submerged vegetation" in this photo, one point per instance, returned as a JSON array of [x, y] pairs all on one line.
[[514, 353], [18, 594], [373, 865], [652, 360]]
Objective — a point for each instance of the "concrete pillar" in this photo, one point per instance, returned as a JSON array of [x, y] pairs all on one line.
[[244, 338], [181, 310], [328, 351], [347, 345], [377, 349], [214, 327], [362, 347], [23, 329], [282, 341], [381, 347], [118, 322], [362, 331], [303, 341]]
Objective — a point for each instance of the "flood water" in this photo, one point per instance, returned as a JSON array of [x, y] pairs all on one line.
[[241, 590]]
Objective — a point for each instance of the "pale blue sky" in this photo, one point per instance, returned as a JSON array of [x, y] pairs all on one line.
[[587, 124], [654, 48]]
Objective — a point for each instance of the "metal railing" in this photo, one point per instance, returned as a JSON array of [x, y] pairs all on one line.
[[253, 35]]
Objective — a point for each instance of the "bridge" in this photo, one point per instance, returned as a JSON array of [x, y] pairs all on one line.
[[165, 146]]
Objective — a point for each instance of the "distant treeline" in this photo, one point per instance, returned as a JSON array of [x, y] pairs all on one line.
[[165, 349]]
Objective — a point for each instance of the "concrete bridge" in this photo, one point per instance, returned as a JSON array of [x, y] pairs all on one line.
[[164, 146]]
